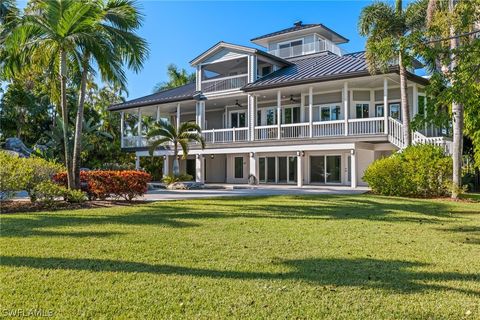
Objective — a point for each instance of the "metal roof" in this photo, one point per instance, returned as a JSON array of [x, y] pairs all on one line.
[[298, 27], [185, 92], [315, 67]]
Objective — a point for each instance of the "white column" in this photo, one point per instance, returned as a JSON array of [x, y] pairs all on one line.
[[279, 113], [137, 162], [310, 111], [251, 116], [299, 169], [178, 115], [166, 165], [139, 128], [385, 103], [200, 114], [199, 78], [302, 108], [253, 169], [353, 177], [200, 169], [345, 106], [158, 113], [122, 128], [415, 99]]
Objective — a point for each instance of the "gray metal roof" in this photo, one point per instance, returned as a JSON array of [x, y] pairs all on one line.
[[185, 92], [298, 27], [315, 67]]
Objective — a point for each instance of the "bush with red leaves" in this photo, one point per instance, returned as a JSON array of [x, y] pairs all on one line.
[[101, 184]]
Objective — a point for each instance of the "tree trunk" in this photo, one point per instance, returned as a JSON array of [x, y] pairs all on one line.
[[176, 166], [77, 144], [457, 115], [64, 107], [404, 102]]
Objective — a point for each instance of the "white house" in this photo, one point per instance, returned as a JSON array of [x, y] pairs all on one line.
[[302, 111]]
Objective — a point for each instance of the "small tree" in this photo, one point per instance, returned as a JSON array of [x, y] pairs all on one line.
[[164, 132]]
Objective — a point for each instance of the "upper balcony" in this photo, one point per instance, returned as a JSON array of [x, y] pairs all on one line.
[[224, 75], [288, 50]]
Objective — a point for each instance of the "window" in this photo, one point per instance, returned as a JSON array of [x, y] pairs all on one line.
[[394, 110], [292, 115], [292, 48], [259, 117], [238, 119], [362, 110], [379, 110], [421, 104], [266, 70], [329, 113], [238, 167], [270, 116]]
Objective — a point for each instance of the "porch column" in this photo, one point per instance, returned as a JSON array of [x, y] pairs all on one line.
[[345, 106], [251, 116], [253, 160], [310, 111], [200, 114], [139, 128], [353, 173], [385, 103], [137, 162], [200, 168], [415, 99], [178, 115], [122, 128], [279, 113], [166, 165], [300, 169], [198, 78], [302, 108], [158, 114]]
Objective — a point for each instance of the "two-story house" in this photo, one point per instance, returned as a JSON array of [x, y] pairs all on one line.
[[302, 111]]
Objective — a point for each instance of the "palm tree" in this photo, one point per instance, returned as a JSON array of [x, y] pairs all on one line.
[[164, 132], [117, 43], [176, 78], [47, 37], [387, 28]]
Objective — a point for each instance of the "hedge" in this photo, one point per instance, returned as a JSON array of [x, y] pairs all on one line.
[[100, 184], [418, 171]]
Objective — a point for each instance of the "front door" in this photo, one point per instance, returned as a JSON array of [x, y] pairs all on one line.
[[191, 167], [325, 169]]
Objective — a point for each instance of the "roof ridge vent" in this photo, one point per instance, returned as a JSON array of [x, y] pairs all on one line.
[[298, 23]]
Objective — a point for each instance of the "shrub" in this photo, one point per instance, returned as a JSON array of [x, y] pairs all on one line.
[[12, 175], [170, 179], [47, 192], [417, 171], [116, 184], [75, 196], [41, 171]]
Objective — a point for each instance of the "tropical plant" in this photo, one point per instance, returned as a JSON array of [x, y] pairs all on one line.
[[164, 132], [388, 28], [176, 78]]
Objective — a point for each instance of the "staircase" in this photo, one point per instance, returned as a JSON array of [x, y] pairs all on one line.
[[395, 136]]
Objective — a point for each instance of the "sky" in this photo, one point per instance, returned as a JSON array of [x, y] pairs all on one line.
[[178, 31]]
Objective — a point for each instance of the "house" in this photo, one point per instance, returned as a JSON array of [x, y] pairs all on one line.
[[301, 111]]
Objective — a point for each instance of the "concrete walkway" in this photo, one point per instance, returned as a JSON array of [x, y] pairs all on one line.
[[244, 190]]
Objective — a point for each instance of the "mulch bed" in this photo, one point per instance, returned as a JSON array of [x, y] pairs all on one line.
[[20, 206]]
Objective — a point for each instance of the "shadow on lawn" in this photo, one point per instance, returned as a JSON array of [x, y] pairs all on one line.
[[467, 234], [394, 275], [181, 214]]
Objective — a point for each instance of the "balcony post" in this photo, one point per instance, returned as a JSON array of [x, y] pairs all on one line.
[[200, 114], [233, 134], [139, 128], [345, 106], [302, 108], [199, 78], [252, 111], [279, 113], [213, 135], [178, 115], [122, 128], [310, 111], [385, 104]]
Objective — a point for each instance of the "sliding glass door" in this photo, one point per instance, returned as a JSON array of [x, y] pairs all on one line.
[[325, 169], [277, 169]]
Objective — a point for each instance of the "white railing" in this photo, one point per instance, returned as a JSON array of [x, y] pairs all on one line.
[[307, 48], [224, 83], [395, 132], [443, 142], [295, 130], [266, 132], [366, 126], [225, 135], [328, 128]]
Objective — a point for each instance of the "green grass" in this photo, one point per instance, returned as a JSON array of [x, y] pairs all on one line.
[[341, 257]]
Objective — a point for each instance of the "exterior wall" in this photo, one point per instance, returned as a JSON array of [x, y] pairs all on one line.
[[224, 54], [215, 168], [364, 159], [231, 168], [214, 119]]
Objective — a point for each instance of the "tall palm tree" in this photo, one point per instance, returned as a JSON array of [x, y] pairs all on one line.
[[387, 28], [164, 132], [176, 77], [47, 37], [114, 27]]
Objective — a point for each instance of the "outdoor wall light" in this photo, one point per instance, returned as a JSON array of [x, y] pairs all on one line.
[[252, 154], [164, 157], [212, 156], [352, 152], [301, 153]]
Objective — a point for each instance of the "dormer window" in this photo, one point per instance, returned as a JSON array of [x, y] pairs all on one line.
[[290, 48]]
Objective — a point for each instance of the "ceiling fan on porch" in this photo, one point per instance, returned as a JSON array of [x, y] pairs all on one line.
[[238, 104], [292, 100]]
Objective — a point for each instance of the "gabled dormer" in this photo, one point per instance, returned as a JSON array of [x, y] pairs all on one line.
[[227, 67], [301, 39]]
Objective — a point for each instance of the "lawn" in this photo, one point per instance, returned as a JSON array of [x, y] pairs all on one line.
[[340, 257]]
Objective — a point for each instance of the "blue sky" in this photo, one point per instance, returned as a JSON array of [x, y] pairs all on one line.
[[178, 31]]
